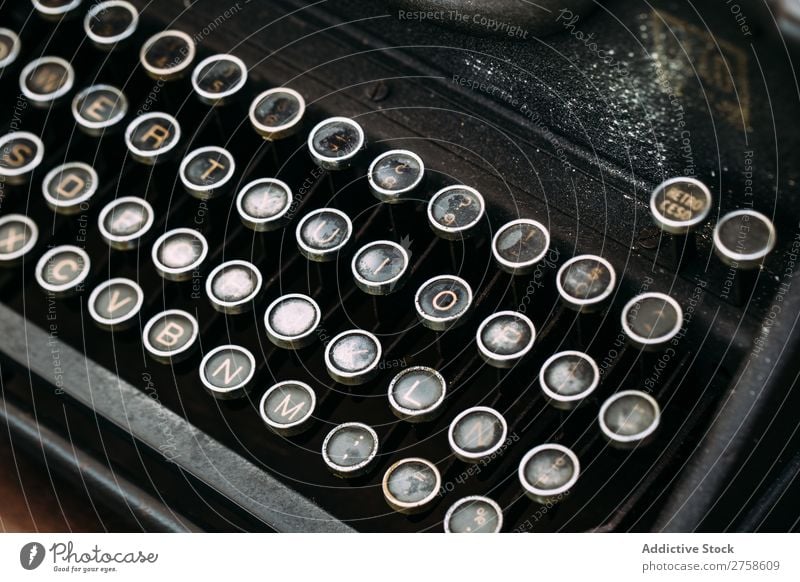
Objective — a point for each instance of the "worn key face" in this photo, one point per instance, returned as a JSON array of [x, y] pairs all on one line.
[[206, 171], [629, 417], [568, 377], [171, 335], [379, 267], [744, 238], [292, 321], [519, 245], [233, 285], [227, 371], [474, 514], [9, 47], [45, 80], [393, 175], [55, 9], [651, 320], [585, 282], [115, 304], [352, 357], [218, 78], [455, 212], [548, 471], [477, 433], [350, 448], [69, 187], [21, 152], [178, 253], [416, 394], [277, 113], [321, 234], [109, 23], [334, 143], [288, 407], [411, 484], [152, 136], [62, 270], [264, 203], [504, 338], [18, 235], [443, 302], [124, 222], [680, 204], [99, 108], [168, 54]]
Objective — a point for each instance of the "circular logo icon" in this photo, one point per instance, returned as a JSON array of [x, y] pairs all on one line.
[[31, 555]]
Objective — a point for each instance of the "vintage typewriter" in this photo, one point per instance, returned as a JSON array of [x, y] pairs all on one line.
[[410, 266]]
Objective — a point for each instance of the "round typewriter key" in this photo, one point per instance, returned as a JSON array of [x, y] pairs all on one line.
[[504, 338], [352, 357], [548, 471], [287, 407], [18, 235], [115, 303], [474, 514], [218, 78], [349, 449], [277, 113], [168, 54], [152, 136], [416, 394], [68, 187], [379, 267], [455, 211], [443, 302], [568, 377], [333, 143], [680, 204], [292, 321], [63, 269], [124, 222], [321, 234], [585, 282], [205, 171], [226, 372], [109, 23], [411, 484], [394, 174], [262, 204], [233, 285], [519, 245], [477, 433], [21, 152], [627, 418], [178, 253], [46, 80], [651, 320], [9, 47], [170, 335], [99, 108], [744, 238], [55, 9]]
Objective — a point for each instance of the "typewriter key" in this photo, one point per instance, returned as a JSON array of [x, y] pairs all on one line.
[[744, 238], [547, 472], [205, 171], [454, 212], [585, 282], [55, 9], [109, 23], [334, 143], [99, 108], [395, 174], [152, 136], [178, 253], [170, 335], [167, 55], [504, 338], [350, 448], [680, 204], [124, 222], [379, 267], [443, 302], [519, 245], [473, 514], [292, 320], [218, 78], [568, 377], [115, 303], [21, 152], [233, 285], [62, 270], [226, 372], [277, 113], [627, 418], [46, 80], [651, 320], [9, 47], [352, 357], [68, 187], [321, 234], [18, 235], [411, 484], [416, 394], [263, 204], [287, 407], [477, 433]]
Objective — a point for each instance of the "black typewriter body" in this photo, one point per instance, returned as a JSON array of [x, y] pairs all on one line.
[[545, 128]]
